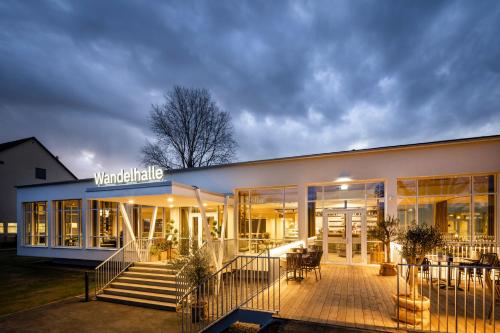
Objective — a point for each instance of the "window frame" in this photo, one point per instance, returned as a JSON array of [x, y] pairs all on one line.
[[54, 222], [32, 216]]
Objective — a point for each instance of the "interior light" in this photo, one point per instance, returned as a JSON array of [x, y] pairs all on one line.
[[131, 201], [205, 205], [344, 187], [171, 206], [170, 199]]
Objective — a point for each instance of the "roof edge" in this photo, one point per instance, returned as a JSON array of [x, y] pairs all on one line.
[[341, 152]]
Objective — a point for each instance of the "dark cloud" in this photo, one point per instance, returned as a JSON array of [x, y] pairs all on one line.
[[297, 76]]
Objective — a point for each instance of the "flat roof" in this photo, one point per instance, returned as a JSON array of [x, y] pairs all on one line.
[[342, 152], [299, 157]]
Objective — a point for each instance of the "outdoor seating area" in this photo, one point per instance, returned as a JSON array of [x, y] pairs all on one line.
[[300, 261]]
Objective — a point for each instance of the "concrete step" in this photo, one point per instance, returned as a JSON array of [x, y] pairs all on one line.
[[151, 276], [144, 287], [154, 265], [140, 295], [149, 282], [137, 302], [154, 270]]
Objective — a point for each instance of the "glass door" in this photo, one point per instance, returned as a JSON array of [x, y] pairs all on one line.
[[334, 236], [344, 236]]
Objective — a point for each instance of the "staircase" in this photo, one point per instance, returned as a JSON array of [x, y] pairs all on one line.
[[150, 285]]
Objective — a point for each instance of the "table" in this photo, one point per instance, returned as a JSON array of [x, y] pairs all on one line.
[[455, 261]]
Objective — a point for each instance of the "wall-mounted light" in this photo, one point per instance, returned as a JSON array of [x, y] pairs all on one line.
[[343, 179]]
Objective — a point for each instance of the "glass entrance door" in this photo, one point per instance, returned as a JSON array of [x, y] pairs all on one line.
[[344, 235]]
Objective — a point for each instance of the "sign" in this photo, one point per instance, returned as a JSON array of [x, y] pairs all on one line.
[[151, 174]]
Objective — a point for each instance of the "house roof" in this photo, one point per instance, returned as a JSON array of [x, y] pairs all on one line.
[[12, 144]]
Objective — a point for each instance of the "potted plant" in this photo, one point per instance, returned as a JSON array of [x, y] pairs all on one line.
[[416, 242], [386, 231], [154, 252], [197, 272]]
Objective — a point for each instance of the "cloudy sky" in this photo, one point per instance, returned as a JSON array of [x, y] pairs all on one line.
[[297, 77]]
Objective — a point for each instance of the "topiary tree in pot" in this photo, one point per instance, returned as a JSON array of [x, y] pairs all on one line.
[[386, 231], [197, 271], [416, 242]]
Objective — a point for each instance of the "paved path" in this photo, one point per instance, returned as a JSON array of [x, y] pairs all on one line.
[[73, 315]]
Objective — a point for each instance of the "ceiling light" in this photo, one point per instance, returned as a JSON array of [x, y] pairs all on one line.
[[131, 201], [205, 205], [344, 187], [170, 199], [171, 206]]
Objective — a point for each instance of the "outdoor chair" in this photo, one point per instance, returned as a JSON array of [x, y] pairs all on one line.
[[486, 260], [293, 264], [312, 262]]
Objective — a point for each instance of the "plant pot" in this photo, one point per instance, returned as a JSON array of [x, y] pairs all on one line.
[[410, 310], [198, 312], [388, 269]]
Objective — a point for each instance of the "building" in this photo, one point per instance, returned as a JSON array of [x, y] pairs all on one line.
[[332, 199], [22, 162]]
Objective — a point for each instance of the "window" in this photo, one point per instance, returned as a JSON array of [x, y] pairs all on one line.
[[267, 216], [105, 224], [67, 223], [142, 217], [12, 228], [35, 223], [461, 207], [2, 228], [40, 173]]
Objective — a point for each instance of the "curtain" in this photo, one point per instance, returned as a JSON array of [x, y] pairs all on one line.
[[442, 216]]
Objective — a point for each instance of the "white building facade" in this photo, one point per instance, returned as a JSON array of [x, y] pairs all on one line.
[[331, 199]]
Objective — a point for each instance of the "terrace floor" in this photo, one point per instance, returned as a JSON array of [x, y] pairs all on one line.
[[356, 296]]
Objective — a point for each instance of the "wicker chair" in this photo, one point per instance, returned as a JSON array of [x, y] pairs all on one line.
[[312, 263]]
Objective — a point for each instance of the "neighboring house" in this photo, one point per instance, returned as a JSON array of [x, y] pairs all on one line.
[[22, 162]]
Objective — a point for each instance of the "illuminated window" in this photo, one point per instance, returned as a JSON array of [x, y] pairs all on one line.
[[267, 217], [463, 207], [12, 228], [67, 223], [35, 223], [105, 223]]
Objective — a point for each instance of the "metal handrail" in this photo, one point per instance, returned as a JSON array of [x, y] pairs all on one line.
[[252, 282], [432, 298], [116, 264]]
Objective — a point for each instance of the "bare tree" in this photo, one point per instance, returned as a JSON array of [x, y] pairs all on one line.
[[190, 130]]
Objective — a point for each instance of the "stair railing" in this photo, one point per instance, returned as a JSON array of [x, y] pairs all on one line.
[[251, 282], [116, 264]]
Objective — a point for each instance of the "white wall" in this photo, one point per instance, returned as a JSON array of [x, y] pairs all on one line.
[[446, 159]]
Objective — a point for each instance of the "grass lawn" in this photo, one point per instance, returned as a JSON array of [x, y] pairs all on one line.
[[27, 282]]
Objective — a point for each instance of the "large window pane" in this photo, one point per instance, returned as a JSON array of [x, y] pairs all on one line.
[[444, 186], [484, 217], [105, 224], [484, 184], [67, 222], [35, 223], [407, 187], [344, 191], [407, 213]]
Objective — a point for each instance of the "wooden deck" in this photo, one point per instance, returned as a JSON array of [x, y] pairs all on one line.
[[356, 296]]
